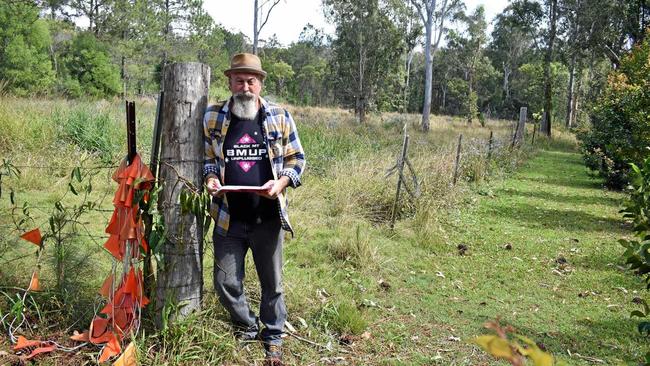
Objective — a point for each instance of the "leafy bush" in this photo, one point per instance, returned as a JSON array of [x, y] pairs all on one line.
[[637, 251], [620, 124], [637, 208]]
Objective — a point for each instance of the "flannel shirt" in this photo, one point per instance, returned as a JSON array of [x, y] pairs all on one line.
[[283, 145]]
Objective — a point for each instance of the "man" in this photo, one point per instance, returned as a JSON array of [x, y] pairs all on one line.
[[251, 142]]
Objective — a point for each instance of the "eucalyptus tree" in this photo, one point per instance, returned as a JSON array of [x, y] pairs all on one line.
[[433, 14], [260, 17]]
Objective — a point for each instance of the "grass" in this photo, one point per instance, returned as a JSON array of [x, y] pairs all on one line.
[[366, 294]]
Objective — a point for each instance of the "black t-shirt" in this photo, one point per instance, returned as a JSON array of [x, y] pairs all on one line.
[[247, 164]]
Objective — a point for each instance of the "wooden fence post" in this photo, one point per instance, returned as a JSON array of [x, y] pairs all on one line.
[[543, 123], [400, 173], [490, 145], [180, 275], [519, 135], [457, 165]]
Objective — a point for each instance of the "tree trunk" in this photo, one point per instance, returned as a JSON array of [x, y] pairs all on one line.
[[576, 93], [255, 25], [409, 60], [180, 275], [570, 106], [428, 73], [470, 99], [506, 81], [548, 58]]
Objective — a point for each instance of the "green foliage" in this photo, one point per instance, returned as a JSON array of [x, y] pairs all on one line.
[[637, 208], [279, 74], [528, 89], [88, 63], [620, 123], [24, 59]]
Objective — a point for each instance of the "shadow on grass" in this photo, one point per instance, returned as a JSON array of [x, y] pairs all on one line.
[[566, 181], [575, 199], [570, 220]]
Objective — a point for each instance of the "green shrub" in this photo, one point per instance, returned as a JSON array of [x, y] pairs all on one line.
[[620, 123], [637, 208]]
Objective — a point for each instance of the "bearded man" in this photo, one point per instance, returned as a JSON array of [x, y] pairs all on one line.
[[250, 141]]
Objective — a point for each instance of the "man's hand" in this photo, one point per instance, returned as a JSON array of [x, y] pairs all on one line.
[[213, 185], [273, 188]]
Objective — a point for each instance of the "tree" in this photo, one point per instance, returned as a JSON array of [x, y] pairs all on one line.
[[258, 23], [364, 58], [25, 40], [89, 64], [548, 58], [309, 58], [514, 42], [470, 50], [433, 14], [95, 11]]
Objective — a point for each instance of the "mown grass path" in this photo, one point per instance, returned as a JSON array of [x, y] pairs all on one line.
[[542, 254]]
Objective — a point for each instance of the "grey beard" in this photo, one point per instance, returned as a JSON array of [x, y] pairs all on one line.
[[244, 105]]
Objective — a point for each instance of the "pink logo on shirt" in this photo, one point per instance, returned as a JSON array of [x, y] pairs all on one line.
[[246, 165], [246, 139]]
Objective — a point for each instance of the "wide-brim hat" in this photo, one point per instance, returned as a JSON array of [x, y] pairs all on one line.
[[246, 63]]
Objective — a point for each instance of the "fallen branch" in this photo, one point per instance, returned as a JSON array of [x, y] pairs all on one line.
[[314, 343]]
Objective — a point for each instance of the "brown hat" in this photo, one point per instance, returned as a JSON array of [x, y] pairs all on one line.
[[245, 62]]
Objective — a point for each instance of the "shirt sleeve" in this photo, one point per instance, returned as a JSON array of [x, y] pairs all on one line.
[[210, 165], [294, 156]]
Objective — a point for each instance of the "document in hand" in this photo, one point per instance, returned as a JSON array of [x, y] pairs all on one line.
[[226, 189]]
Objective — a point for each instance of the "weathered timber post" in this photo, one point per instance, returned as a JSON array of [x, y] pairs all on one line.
[[543, 123], [532, 142], [400, 176], [490, 145], [519, 135], [180, 275], [457, 165]]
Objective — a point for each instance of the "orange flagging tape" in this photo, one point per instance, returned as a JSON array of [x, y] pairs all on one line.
[[121, 315], [33, 236]]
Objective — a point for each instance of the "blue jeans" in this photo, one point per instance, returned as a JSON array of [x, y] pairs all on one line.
[[265, 241]]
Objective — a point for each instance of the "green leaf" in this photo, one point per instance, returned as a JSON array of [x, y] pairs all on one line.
[[72, 189], [637, 313]]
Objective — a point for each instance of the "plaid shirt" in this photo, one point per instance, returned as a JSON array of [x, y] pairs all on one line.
[[285, 153]]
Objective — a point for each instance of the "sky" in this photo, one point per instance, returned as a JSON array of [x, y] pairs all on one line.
[[290, 16]]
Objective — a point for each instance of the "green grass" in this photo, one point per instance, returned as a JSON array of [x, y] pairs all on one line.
[[363, 292]]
